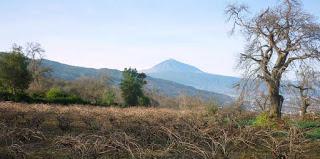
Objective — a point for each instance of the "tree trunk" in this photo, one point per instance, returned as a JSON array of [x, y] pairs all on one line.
[[304, 107], [276, 100], [303, 111]]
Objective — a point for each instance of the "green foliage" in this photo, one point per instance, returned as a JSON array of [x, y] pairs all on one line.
[[108, 98], [305, 124], [5, 95], [313, 134], [56, 95], [144, 101], [131, 86], [38, 97], [18, 97], [14, 74], [263, 120], [247, 122]]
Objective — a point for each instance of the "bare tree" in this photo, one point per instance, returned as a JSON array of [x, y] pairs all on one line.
[[277, 37], [35, 53], [87, 88], [252, 95], [305, 86], [261, 100]]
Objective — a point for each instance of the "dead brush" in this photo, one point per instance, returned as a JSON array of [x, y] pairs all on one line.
[[3, 133], [36, 120], [64, 122], [125, 143], [215, 140], [12, 118], [187, 147], [282, 144], [24, 135], [72, 144], [96, 146], [91, 122], [17, 151]]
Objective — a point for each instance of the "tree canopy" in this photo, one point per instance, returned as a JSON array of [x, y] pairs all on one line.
[[14, 74], [131, 87]]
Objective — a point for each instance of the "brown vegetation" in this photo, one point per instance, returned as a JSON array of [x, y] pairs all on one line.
[[52, 131]]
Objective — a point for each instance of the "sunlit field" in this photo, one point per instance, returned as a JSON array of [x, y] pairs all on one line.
[[76, 131]]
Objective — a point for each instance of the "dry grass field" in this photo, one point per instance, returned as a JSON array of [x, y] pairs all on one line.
[[53, 131]]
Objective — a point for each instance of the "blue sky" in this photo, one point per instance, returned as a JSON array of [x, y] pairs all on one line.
[[129, 33]]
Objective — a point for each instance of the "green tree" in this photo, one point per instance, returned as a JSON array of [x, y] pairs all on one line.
[[14, 74], [131, 86]]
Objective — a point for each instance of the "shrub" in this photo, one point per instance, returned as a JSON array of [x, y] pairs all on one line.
[[22, 97], [144, 101], [18, 97], [263, 120], [38, 97], [247, 122], [56, 95], [5, 96], [108, 98]]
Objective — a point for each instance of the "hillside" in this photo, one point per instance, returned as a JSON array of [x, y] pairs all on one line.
[[191, 76], [164, 87]]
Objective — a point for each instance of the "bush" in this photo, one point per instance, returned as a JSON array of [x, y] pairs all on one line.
[[247, 122], [22, 97], [56, 95], [263, 120], [108, 98], [5, 96], [19, 97], [38, 97], [144, 101]]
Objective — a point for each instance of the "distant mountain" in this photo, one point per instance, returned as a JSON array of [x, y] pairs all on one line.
[[185, 74], [172, 65], [164, 87]]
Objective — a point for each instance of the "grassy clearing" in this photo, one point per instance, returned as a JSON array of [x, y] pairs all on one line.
[[53, 131]]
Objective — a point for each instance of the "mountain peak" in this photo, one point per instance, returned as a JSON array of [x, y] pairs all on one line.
[[172, 65]]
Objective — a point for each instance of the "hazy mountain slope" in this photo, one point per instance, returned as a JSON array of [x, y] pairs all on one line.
[[68, 72], [164, 87], [172, 65], [189, 75]]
